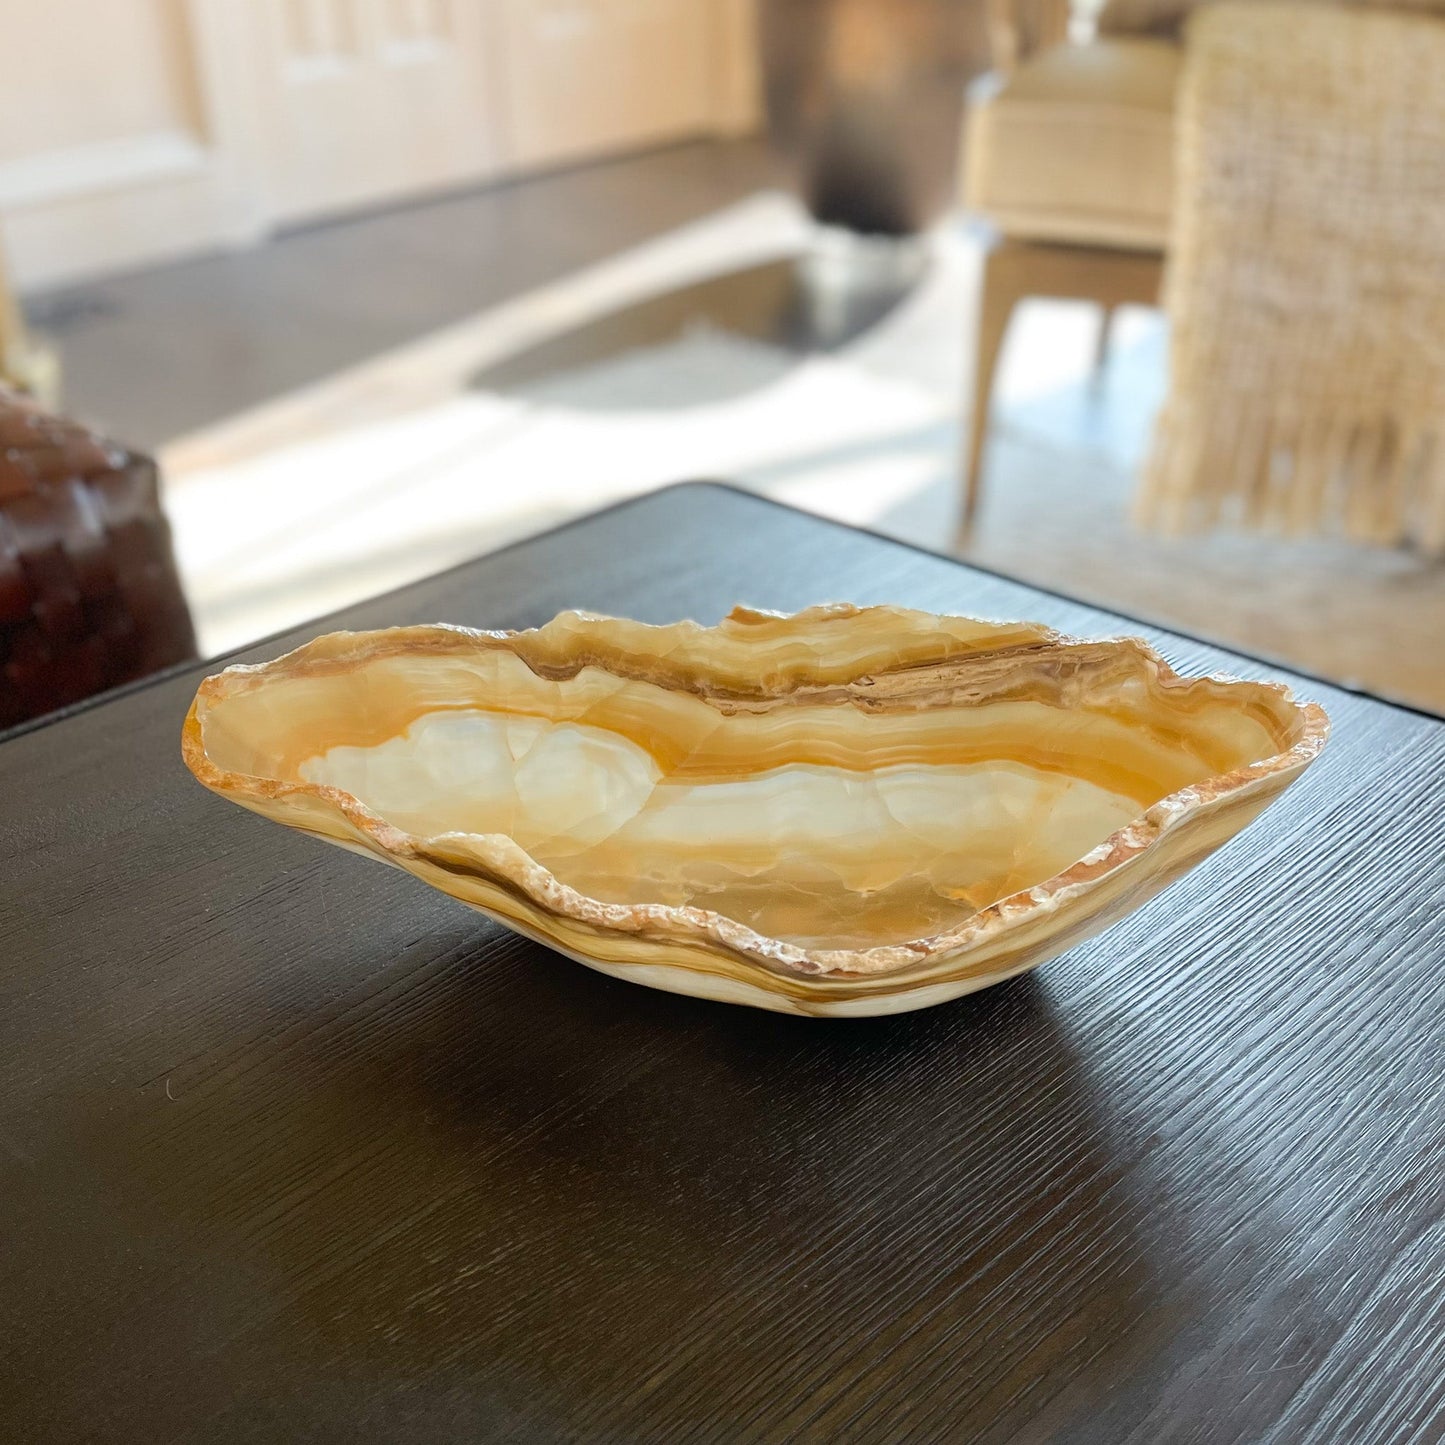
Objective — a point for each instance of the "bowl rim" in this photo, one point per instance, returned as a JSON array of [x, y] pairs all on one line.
[[496, 859]]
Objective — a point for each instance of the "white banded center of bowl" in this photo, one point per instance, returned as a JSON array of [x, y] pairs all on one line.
[[816, 854]]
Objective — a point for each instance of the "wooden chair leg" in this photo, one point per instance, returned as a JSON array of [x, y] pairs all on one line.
[[1014, 269], [998, 295], [1106, 335]]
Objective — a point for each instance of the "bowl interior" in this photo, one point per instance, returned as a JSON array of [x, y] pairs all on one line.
[[814, 815]]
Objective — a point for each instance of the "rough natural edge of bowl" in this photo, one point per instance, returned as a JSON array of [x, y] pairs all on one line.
[[496, 860]]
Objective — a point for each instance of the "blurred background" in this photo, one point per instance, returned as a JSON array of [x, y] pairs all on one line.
[[1133, 302]]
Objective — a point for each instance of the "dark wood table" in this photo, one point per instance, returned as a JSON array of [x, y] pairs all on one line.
[[293, 1148]]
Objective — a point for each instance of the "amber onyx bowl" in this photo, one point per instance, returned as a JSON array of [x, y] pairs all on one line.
[[846, 811]]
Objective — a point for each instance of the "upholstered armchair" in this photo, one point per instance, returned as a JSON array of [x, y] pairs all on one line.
[[1068, 154], [1292, 158]]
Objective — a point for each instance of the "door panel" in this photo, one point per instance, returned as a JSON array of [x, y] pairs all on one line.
[[584, 76], [118, 142], [373, 99]]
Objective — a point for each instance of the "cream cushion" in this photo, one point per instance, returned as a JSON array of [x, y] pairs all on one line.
[[1077, 144]]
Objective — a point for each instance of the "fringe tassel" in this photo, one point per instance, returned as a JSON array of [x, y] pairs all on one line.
[[1378, 480], [1430, 495]]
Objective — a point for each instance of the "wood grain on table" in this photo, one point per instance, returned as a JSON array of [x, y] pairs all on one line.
[[293, 1148]]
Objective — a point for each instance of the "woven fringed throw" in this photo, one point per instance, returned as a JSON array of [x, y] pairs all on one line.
[[1306, 281]]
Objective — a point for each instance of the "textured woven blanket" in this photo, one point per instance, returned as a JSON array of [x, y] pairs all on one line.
[[1306, 279]]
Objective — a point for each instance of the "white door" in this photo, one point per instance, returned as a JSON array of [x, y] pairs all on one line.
[[370, 100], [136, 130]]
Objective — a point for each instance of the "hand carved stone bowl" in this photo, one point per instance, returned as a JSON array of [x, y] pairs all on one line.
[[846, 811]]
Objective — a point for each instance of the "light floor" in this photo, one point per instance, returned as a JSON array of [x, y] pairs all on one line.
[[161, 352]]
